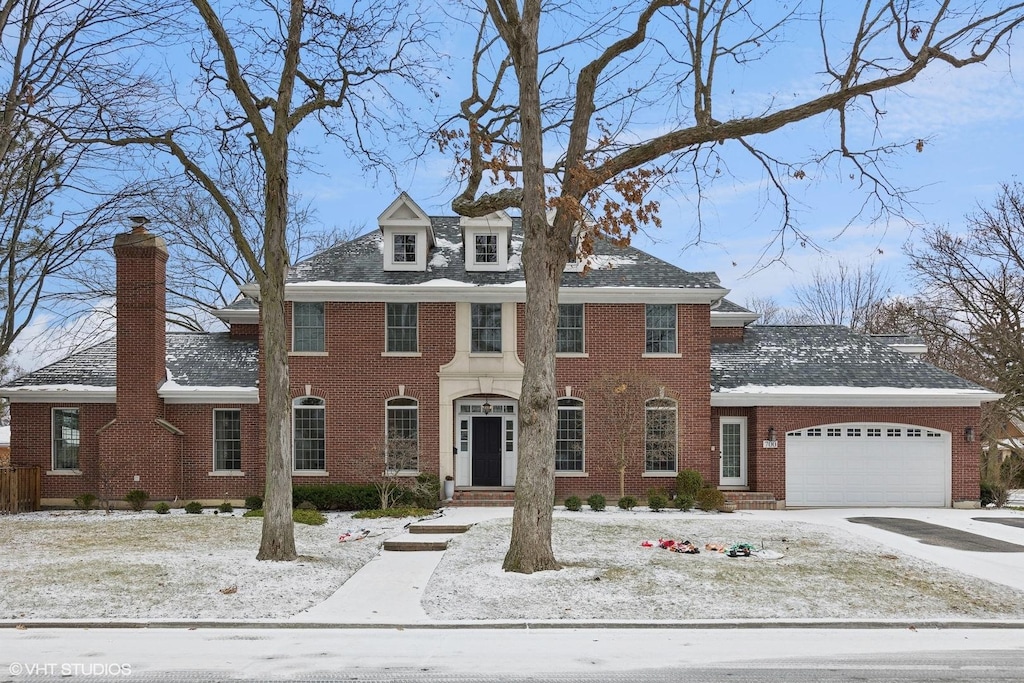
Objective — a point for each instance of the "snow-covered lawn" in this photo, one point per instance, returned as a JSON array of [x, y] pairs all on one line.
[[73, 565]]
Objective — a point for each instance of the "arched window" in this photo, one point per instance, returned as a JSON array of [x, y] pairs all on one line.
[[569, 436], [661, 442], [403, 435], [308, 434]]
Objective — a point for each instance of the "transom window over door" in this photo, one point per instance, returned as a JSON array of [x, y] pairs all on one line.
[[308, 434], [485, 328], [661, 328], [402, 328], [570, 328], [660, 443], [307, 326], [569, 436], [66, 438]]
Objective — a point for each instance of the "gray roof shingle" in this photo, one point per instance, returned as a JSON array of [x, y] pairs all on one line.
[[361, 261], [821, 356], [194, 360]]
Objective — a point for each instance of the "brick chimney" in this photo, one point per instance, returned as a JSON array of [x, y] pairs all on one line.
[[141, 310]]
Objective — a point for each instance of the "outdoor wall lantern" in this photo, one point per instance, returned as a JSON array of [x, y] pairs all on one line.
[[771, 433], [487, 407], [968, 433]]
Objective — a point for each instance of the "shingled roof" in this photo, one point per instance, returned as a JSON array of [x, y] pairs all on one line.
[[360, 261], [195, 361], [772, 358]]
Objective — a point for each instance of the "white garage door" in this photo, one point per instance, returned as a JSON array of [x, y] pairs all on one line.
[[854, 464]]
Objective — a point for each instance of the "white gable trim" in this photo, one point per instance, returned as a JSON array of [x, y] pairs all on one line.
[[176, 394], [60, 393]]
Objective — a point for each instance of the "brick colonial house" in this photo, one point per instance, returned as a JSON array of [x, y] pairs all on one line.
[[414, 331]]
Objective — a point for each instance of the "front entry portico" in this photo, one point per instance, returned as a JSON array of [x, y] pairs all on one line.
[[486, 442]]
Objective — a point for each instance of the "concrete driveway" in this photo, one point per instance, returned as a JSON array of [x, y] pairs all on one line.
[[943, 546]]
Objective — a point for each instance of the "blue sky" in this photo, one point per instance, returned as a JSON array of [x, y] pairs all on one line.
[[972, 120]]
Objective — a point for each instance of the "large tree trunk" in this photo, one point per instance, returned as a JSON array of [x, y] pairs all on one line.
[[543, 262], [278, 540]]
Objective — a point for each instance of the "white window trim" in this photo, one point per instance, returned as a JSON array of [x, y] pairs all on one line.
[[419, 454], [323, 408], [581, 406], [401, 354], [501, 330], [663, 354], [583, 332], [675, 412], [420, 232], [71, 471], [323, 352], [469, 248], [214, 471]]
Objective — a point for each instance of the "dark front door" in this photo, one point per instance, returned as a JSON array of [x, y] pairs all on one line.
[[487, 451]]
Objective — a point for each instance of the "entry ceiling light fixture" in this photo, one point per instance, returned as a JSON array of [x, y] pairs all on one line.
[[487, 407]]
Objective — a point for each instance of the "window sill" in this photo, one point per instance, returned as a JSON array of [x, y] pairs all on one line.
[[571, 474], [665, 475], [662, 355], [486, 354], [401, 354], [313, 354], [583, 354], [402, 473], [310, 473], [64, 473], [226, 473]]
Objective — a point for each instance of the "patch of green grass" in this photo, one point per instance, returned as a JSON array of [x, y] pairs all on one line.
[[393, 512], [311, 517]]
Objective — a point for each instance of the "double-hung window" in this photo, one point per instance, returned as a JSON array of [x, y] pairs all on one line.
[[402, 435], [569, 436], [660, 443], [307, 326], [405, 248], [227, 440], [65, 438], [308, 434], [485, 249], [401, 324], [661, 328], [570, 328], [485, 328]]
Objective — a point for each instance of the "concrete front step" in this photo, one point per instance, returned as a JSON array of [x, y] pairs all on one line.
[[409, 545], [484, 497], [751, 500], [438, 528]]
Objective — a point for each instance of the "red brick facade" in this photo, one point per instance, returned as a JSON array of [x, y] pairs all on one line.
[[167, 448]]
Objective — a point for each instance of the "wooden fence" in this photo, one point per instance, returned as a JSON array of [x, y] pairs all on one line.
[[20, 489]]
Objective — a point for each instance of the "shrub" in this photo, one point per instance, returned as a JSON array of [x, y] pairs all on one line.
[[427, 492], [226, 508], [689, 483], [573, 503], [994, 493], [305, 505], [596, 502], [162, 508], [338, 496], [709, 499], [685, 502], [137, 499], [657, 501], [311, 517], [86, 501], [394, 512], [194, 508], [627, 503], [254, 502]]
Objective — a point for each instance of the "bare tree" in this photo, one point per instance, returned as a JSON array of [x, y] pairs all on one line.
[[621, 400], [974, 283], [842, 294], [774, 313], [624, 99], [54, 207], [261, 71]]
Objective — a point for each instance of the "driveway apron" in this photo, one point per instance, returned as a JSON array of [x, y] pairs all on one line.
[[935, 534]]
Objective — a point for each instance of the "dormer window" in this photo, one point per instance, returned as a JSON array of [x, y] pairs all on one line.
[[405, 248], [487, 241], [486, 249], [407, 235]]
